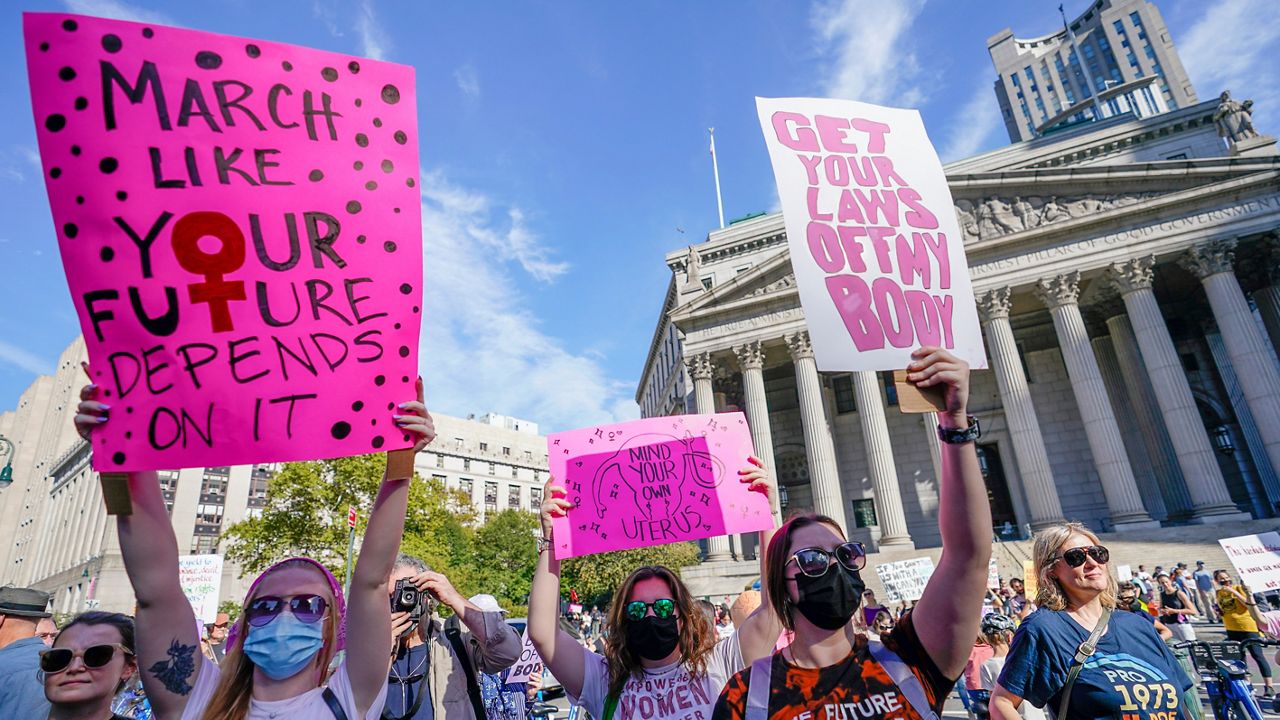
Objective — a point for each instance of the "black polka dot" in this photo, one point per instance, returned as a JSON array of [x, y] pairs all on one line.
[[357, 406], [55, 173], [208, 60], [371, 185], [79, 199], [389, 246], [354, 67], [106, 393], [397, 326], [354, 207], [390, 94], [118, 458], [359, 102], [287, 66], [75, 150], [122, 195], [360, 239], [70, 230], [109, 165], [395, 210], [252, 50], [409, 181], [401, 137], [44, 47], [340, 429], [404, 378], [358, 165], [404, 351], [315, 176], [391, 406], [67, 73], [70, 26], [148, 33], [416, 309], [111, 43], [380, 380], [55, 122], [406, 288], [388, 166], [129, 410], [107, 254], [329, 74], [82, 103], [377, 122], [373, 422], [362, 140], [128, 435], [377, 442]]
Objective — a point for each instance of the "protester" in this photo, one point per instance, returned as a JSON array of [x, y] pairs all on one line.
[[91, 660], [293, 620], [1204, 590], [47, 630], [1128, 599], [883, 623], [502, 700], [871, 608], [970, 686], [1076, 593], [1234, 602], [217, 632], [437, 663], [21, 610], [814, 585], [1176, 609], [662, 659], [997, 629]]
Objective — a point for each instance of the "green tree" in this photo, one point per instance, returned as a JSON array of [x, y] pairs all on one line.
[[504, 554], [596, 577]]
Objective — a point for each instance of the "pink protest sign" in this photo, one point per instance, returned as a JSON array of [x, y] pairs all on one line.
[[877, 251], [240, 227], [654, 481]]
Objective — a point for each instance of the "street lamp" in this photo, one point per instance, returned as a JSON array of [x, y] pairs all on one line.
[[6, 472]]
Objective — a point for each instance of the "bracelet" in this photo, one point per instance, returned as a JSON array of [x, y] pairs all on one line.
[[953, 436], [544, 544]]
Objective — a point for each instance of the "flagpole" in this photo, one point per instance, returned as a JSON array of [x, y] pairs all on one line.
[[715, 168]]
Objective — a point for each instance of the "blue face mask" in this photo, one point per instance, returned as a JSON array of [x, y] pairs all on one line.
[[284, 646]]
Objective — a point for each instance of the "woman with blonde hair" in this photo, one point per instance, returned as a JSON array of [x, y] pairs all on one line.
[[1075, 654], [294, 619]]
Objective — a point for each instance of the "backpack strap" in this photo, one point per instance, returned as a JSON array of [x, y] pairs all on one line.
[[758, 690], [473, 688], [610, 706], [907, 682], [335, 707], [1083, 653]]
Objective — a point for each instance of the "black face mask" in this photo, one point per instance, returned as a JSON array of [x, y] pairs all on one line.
[[830, 599], [652, 637]]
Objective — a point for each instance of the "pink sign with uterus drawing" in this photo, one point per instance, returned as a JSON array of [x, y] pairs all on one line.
[[654, 481]]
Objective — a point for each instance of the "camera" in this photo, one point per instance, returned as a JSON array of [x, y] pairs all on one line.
[[408, 598]]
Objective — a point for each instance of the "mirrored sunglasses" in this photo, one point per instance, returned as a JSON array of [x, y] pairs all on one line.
[[55, 660], [307, 608], [815, 561], [662, 607], [1075, 557]]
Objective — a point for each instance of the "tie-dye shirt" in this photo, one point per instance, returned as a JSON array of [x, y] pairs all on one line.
[[853, 689]]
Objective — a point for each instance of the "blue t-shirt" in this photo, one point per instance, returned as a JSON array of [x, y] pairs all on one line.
[[1204, 581], [21, 689], [1131, 676]]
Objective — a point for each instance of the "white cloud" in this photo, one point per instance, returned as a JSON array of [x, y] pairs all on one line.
[[326, 11], [482, 350], [868, 57], [117, 10], [1233, 47], [374, 41], [468, 81], [971, 128], [23, 359]]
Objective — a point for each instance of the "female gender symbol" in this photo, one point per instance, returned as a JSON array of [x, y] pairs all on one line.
[[215, 291]]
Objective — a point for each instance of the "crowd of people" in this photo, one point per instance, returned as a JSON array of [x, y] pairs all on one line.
[[812, 642]]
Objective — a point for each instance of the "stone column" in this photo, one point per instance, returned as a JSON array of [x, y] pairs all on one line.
[[1250, 356], [1267, 298], [1155, 436], [1209, 496], [1015, 397], [701, 370], [824, 477], [1126, 417], [751, 357], [884, 475], [1061, 294]]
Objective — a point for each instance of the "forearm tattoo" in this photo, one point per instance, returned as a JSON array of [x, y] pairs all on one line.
[[175, 672]]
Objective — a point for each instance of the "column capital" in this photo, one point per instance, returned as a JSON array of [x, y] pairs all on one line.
[[799, 345], [700, 366], [995, 304], [1132, 274], [751, 355], [1211, 258], [1059, 290]]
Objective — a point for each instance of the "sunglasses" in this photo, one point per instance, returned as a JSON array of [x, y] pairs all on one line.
[[1075, 556], [56, 660], [307, 608], [662, 607], [815, 561]]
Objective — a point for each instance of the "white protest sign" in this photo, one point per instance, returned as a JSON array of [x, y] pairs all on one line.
[[529, 664], [993, 574], [1124, 573], [201, 579], [876, 248], [904, 581], [1256, 559]]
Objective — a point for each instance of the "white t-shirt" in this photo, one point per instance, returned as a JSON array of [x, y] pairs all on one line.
[[670, 692], [306, 706], [989, 673]]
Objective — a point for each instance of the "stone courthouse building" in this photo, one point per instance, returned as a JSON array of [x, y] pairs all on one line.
[[1127, 274]]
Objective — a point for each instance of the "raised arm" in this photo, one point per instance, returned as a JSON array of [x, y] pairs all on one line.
[[499, 644], [759, 632], [562, 654], [168, 644], [368, 611], [950, 610]]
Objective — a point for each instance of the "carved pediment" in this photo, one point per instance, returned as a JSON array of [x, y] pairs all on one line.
[[995, 216]]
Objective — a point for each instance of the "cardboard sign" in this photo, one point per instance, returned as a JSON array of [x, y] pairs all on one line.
[[1256, 559], [905, 581], [1030, 582], [529, 664], [201, 580], [654, 481], [239, 222], [877, 251]]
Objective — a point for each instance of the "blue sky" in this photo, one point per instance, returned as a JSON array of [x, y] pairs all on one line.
[[563, 144]]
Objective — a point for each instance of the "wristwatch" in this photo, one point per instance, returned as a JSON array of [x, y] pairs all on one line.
[[544, 544], [953, 436]]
